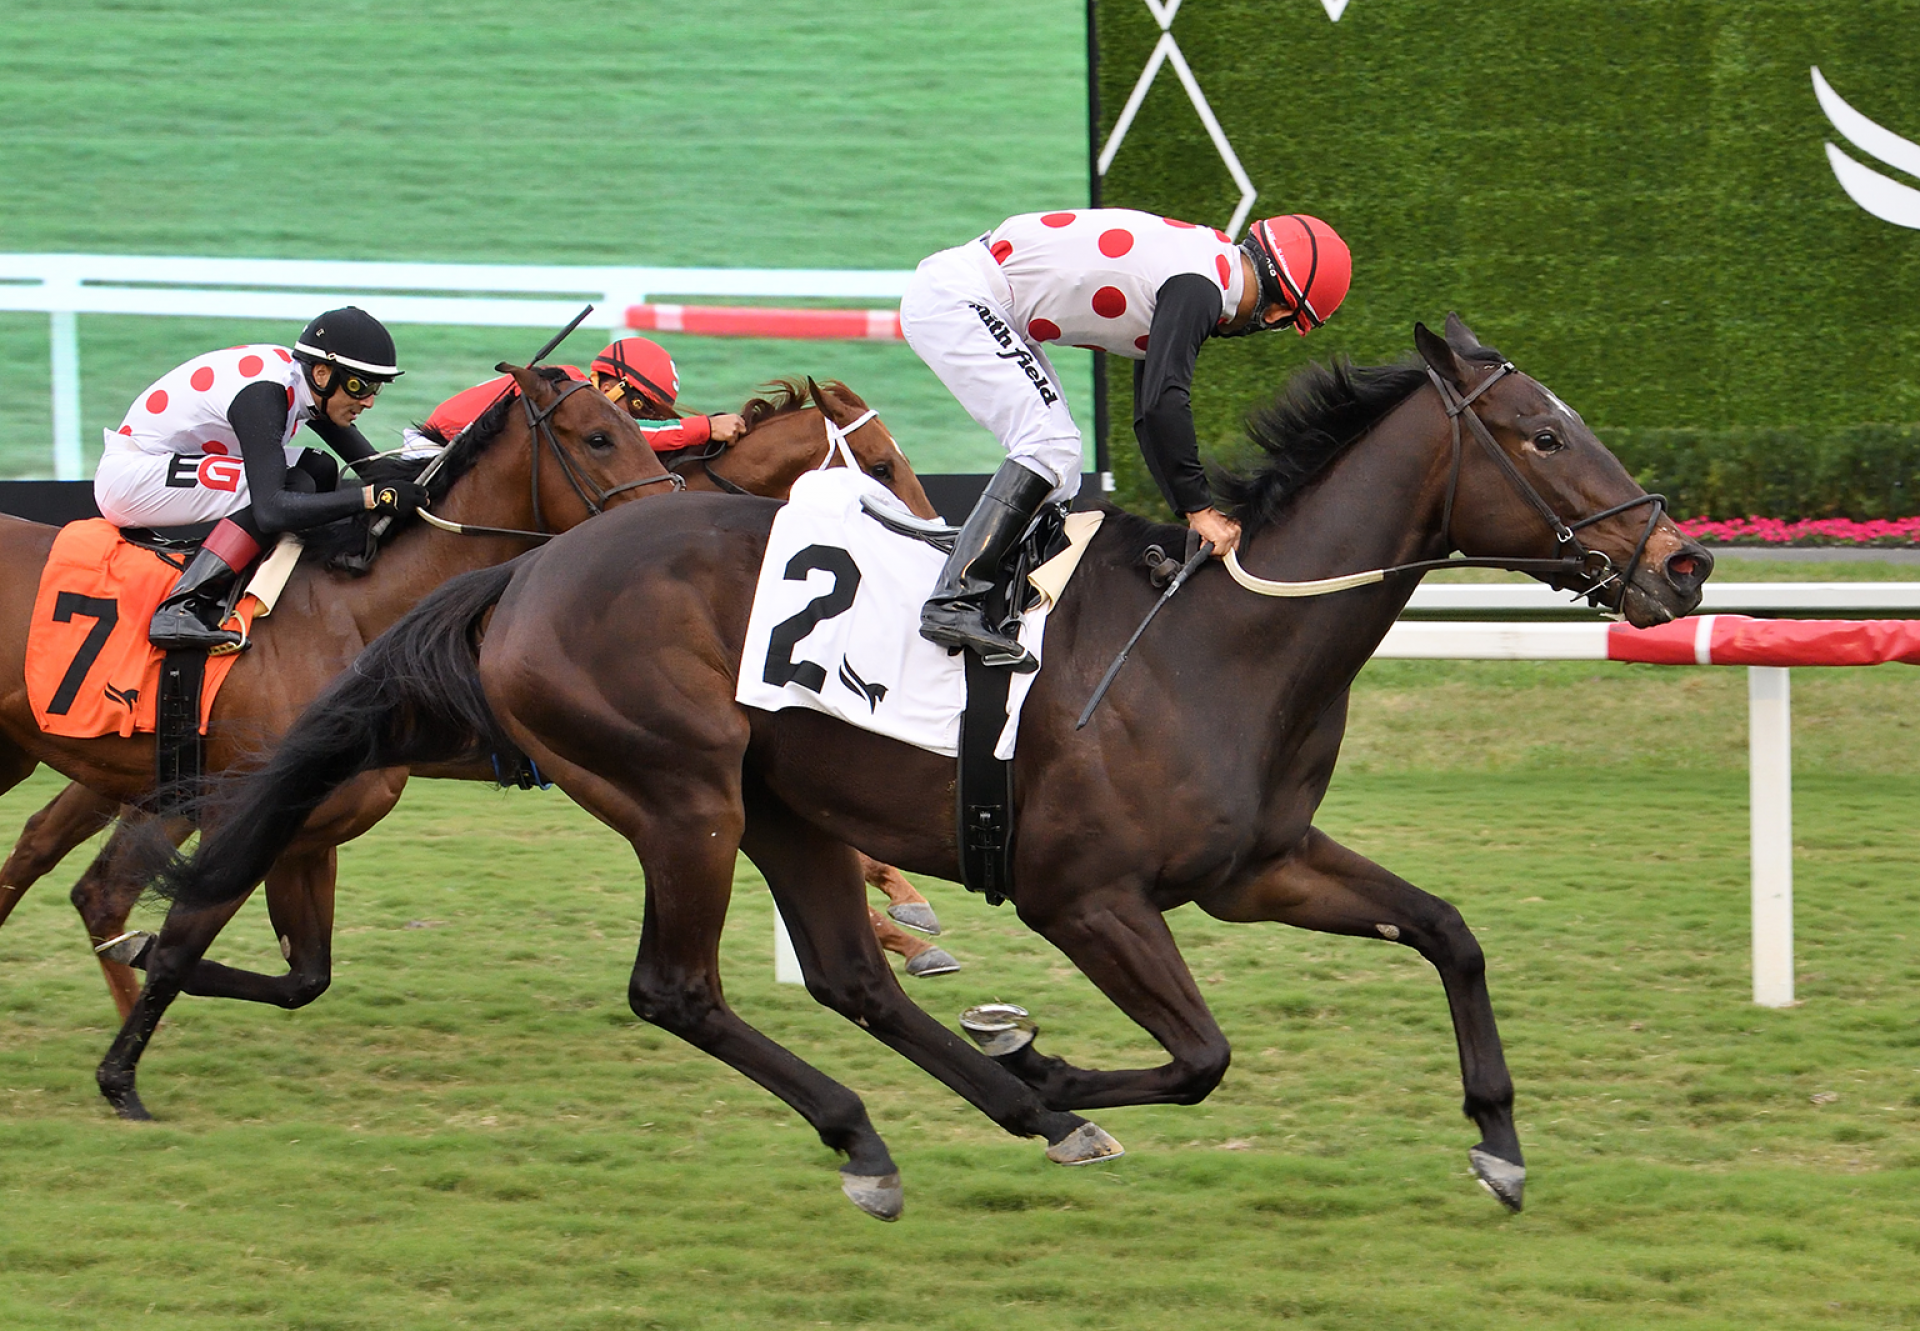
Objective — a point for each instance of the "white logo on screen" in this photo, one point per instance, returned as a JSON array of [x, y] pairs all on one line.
[[1883, 196]]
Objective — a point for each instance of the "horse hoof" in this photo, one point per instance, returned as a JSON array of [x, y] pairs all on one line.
[[1504, 1179], [127, 1105], [999, 1028], [129, 949], [1084, 1145], [916, 915], [879, 1195], [934, 961]]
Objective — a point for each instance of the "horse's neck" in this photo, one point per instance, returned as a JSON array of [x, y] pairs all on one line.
[[495, 492], [1377, 505], [780, 452]]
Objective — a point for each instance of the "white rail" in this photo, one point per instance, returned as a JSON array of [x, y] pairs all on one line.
[[472, 294], [1851, 600]]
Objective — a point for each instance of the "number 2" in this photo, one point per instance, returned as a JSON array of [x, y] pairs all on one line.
[[105, 613], [782, 669]]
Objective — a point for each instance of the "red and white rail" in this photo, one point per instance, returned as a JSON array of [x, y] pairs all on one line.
[[1768, 648]]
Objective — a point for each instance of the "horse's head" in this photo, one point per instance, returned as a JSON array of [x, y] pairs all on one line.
[[583, 454], [872, 444], [1540, 485], [785, 440]]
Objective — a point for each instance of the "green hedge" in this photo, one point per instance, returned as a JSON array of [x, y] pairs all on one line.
[[1860, 471], [1629, 197]]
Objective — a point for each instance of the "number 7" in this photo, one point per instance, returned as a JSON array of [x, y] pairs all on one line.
[[105, 613]]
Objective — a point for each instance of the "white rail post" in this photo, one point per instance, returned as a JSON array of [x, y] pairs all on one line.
[[786, 962], [65, 355], [1770, 790]]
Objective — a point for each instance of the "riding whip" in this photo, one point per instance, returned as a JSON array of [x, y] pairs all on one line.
[[1194, 561], [432, 468]]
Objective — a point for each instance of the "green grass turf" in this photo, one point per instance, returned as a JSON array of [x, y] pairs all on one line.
[[471, 1130], [853, 133]]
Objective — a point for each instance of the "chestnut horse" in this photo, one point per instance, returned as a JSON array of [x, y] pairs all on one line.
[[1196, 781], [785, 438]]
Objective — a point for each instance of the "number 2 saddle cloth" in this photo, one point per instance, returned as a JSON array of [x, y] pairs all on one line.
[[835, 625], [90, 668]]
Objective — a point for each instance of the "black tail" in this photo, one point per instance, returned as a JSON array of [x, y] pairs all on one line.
[[413, 696]]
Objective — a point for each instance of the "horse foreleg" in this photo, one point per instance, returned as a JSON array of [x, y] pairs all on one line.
[[1119, 940], [814, 883], [1326, 887], [922, 957], [904, 902], [72, 816], [107, 892]]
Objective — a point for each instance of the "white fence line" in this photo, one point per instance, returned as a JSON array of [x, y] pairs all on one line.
[[462, 294], [1826, 600]]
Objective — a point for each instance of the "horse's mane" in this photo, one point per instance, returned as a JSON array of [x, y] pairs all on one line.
[[789, 395], [1322, 410], [348, 546]]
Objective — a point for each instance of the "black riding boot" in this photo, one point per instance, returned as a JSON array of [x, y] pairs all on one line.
[[955, 615], [193, 611]]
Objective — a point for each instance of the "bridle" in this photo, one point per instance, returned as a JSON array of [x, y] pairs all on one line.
[[539, 431], [1596, 566], [837, 435]]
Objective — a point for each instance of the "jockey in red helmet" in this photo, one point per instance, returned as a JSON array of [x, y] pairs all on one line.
[[1151, 289], [638, 375]]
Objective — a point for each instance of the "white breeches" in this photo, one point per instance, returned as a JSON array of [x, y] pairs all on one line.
[[956, 315], [135, 489]]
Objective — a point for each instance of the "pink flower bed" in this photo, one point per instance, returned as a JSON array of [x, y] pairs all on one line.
[[1809, 531]]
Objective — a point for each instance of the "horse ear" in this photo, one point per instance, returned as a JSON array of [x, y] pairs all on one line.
[[1460, 337], [523, 376], [819, 399], [1435, 351]]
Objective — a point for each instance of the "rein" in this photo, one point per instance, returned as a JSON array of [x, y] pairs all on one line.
[[540, 430], [1595, 566]]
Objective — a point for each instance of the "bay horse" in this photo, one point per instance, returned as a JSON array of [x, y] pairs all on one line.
[[1196, 781], [785, 438]]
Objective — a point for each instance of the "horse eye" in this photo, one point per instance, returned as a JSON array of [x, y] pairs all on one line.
[[599, 441], [882, 471], [1547, 442]]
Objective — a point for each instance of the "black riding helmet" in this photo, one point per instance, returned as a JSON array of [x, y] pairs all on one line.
[[354, 343]]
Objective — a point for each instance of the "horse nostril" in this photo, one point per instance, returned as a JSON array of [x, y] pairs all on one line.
[[1687, 569]]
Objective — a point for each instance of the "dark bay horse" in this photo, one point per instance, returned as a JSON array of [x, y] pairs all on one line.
[[1196, 782], [785, 438]]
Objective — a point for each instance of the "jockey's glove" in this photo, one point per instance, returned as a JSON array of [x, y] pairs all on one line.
[[397, 497]]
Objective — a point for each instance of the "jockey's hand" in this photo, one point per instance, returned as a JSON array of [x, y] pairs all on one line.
[[396, 497], [726, 427], [1217, 527]]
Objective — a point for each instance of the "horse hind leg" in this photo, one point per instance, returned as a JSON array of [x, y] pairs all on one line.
[[105, 896], [1325, 887]]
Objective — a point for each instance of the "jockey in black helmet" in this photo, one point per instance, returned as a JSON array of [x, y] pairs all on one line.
[[212, 439]]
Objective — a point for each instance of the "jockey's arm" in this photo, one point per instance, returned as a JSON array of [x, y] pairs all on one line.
[[346, 440], [687, 432], [1184, 315], [258, 416]]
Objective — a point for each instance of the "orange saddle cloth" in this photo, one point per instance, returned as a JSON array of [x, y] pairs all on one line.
[[90, 669]]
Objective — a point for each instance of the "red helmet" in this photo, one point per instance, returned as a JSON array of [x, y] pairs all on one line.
[[1304, 266], [642, 366]]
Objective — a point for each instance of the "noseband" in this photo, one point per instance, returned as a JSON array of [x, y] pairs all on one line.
[[1594, 565]]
